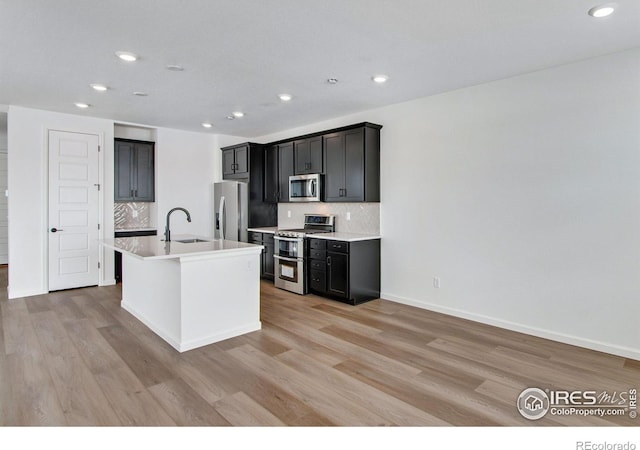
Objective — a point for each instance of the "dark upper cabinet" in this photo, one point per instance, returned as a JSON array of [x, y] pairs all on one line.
[[235, 162], [249, 167], [271, 186], [307, 154], [285, 170], [352, 165], [349, 158], [134, 171], [123, 168], [334, 149]]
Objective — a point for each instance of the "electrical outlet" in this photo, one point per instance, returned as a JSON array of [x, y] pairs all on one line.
[[288, 213], [348, 216], [436, 282]]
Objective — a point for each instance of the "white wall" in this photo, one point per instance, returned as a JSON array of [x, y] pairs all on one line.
[[28, 208], [523, 196]]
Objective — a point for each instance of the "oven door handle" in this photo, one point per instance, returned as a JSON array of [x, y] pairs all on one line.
[[279, 238], [284, 258]]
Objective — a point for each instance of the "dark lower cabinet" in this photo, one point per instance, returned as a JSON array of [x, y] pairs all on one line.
[[267, 270], [338, 274], [345, 271], [317, 266]]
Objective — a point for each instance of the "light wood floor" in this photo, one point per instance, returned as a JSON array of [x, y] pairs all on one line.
[[76, 358]]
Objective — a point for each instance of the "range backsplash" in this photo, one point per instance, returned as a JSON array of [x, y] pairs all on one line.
[[365, 217], [133, 215]]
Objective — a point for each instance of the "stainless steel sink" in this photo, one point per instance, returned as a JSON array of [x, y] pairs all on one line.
[[190, 241]]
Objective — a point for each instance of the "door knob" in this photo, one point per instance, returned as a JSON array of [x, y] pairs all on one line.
[[55, 230]]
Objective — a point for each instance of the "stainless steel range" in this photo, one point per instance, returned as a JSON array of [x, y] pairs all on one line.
[[290, 252]]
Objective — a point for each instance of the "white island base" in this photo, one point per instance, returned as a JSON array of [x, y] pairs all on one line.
[[195, 300]]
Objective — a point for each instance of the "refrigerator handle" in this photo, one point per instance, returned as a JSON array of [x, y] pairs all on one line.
[[221, 218]]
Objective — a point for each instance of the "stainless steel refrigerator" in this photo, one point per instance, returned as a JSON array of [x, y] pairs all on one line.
[[231, 209]]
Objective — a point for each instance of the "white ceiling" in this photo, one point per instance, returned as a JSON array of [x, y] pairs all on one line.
[[240, 54]]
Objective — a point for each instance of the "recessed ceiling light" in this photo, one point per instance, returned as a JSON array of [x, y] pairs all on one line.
[[238, 114], [82, 105], [602, 10], [332, 80], [380, 78], [175, 68], [207, 124], [99, 87], [127, 56], [230, 117], [140, 94], [284, 97]]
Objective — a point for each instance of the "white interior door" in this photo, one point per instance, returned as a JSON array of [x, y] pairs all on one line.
[[73, 210]]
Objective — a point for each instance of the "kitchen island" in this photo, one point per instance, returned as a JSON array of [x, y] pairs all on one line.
[[191, 293]]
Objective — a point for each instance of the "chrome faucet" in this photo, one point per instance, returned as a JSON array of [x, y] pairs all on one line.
[[167, 233]]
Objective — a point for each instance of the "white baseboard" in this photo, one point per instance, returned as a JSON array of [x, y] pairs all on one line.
[[110, 282], [625, 352], [183, 346], [221, 336]]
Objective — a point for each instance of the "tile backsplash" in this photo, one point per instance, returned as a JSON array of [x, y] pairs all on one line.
[[364, 217], [132, 215]]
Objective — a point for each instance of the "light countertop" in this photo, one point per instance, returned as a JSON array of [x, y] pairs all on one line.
[[154, 247], [338, 236], [270, 230], [346, 237]]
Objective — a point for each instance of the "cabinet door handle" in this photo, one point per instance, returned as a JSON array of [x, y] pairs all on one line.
[[131, 193], [328, 260]]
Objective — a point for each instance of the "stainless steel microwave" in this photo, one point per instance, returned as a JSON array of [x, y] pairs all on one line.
[[305, 188]]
